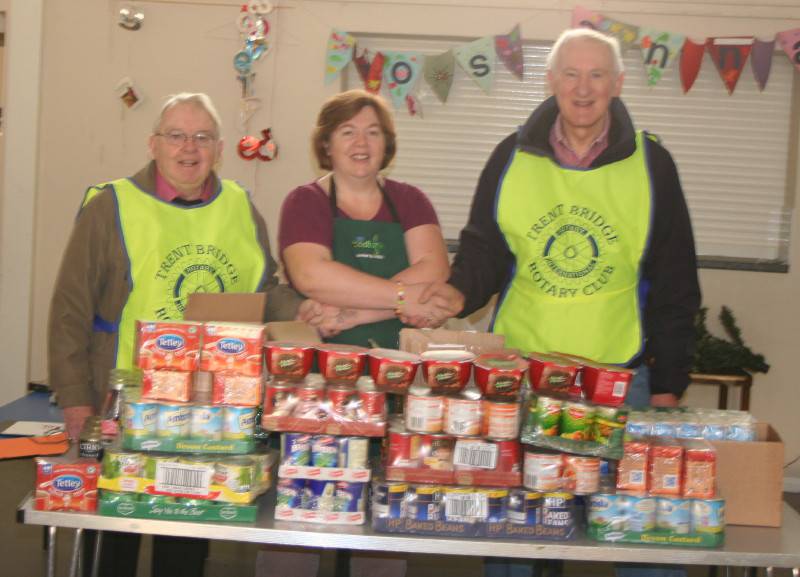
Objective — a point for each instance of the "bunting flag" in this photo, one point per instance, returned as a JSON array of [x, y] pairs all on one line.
[[438, 73], [627, 34], [339, 54], [729, 56], [400, 74], [509, 49], [658, 49], [583, 18], [691, 59], [761, 61], [478, 60], [370, 70], [789, 41]]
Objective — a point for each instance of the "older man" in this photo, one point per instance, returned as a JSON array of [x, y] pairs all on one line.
[[139, 246]]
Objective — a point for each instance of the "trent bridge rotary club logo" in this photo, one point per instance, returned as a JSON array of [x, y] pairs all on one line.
[[571, 246]]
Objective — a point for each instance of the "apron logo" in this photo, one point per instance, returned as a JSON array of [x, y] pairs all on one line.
[[368, 247], [571, 243], [192, 268]]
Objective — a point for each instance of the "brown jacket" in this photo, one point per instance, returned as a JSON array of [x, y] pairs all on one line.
[[93, 281]]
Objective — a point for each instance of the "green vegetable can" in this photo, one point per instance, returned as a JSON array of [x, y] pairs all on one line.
[[547, 416], [576, 421]]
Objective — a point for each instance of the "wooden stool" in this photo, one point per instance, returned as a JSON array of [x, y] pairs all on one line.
[[723, 382]]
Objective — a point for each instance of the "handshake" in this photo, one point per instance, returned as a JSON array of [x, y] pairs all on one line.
[[423, 305]]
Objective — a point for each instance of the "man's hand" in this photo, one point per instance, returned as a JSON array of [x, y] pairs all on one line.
[[663, 400], [429, 306], [74, 418]]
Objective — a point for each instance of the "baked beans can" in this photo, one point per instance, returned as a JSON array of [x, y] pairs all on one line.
[[576, 421], [324, 451], [424, 413], [558, 509], [674, 515], [291, 492], [389, 499], [543, 471], [524, 507], [462, 416], [500, 420], [437, 452], [496, 504], [353, 452], [349, 497], [708, 515], [372, 402], [463, 504], [174, 420], [581, 474], [545, 416], [206, 422], [238, 423], [279, 398], [425, 502], [399, 454], [641, 513], [296, 449], [342, 400], [141, 420]]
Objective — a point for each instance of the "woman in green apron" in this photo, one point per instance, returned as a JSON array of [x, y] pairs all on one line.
[[361, 245]]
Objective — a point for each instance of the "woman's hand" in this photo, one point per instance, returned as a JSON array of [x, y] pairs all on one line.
[[430, 305]]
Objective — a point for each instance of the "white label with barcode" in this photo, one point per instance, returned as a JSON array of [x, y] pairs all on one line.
[[183, 478], [475, 454], [424, 414], [619, 389], [466, 506]]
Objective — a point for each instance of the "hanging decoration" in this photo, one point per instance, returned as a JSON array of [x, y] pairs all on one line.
[[339, 54], [627, 34], [251, 147], [369, 69], [509, 49], [691, 59], [400, 73], [659, 49], [478, 60], [438, 72], [789, 41], [130, 96], [583, 18], [761, 61], [729, 56], [130, 18]]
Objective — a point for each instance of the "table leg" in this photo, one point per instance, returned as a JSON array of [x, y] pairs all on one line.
[[722, 402], [98, 543], [77, 553], [51, 551]]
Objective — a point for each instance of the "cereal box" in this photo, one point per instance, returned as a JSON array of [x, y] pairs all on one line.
[[66, 484], [168, 345], [233, 347]]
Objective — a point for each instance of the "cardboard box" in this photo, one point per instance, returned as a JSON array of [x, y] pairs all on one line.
[[750, 478], [227, 307], [420, 340], [292, 332]]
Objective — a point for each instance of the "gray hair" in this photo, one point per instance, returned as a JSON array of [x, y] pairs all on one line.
[[198, 99], [611, 43]]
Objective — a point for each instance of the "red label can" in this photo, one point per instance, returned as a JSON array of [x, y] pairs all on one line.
[[400, 450], [436, 452], [500, 420], [373, 405], [341, 399], [509, 456], [279, 398]]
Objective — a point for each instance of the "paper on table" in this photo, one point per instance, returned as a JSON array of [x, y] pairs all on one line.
[[32, 428]]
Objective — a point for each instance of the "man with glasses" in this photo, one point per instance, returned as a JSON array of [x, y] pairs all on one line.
[[139, 247]]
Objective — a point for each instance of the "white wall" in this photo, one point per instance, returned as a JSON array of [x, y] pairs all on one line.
[[86, 136]]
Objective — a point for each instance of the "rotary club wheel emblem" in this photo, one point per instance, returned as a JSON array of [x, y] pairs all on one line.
[[198, 278], [571, 252]]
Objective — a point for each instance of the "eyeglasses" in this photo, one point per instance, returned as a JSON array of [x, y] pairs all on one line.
[[178, 139]]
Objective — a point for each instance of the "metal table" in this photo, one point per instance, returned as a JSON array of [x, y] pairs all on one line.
[[744, 546]]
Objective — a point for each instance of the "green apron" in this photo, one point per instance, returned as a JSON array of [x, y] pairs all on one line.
[[376, 248]]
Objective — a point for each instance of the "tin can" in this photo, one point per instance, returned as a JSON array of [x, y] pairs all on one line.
[[558, 510], [151, 461], [311, 391], [349, 497], [372, 406], [235, 473], [708, 515], [461, 504], [353, 452], [608, 427], [291, 492], [342, 400], [607, 510], [321, 495], [238, 423], [140, 420], [399, 452], [581, 474], [524, 507], [509, 456], [424, 413], [462, 416], [279, 399], [174, 420], [500, 420], [121, 464], [389, 499], [641, 513], [576, 421], [425, 503], [674, 515], [296, 449], [324, 451], [543, 471], [90, 444], [206, 422], [437, 452], [546, 416], [496, 504]]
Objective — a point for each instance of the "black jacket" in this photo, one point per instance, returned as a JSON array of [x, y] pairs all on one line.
[[483, 265]]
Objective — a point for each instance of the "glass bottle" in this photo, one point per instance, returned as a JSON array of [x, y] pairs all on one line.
[[112, 405], [90, 445]]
